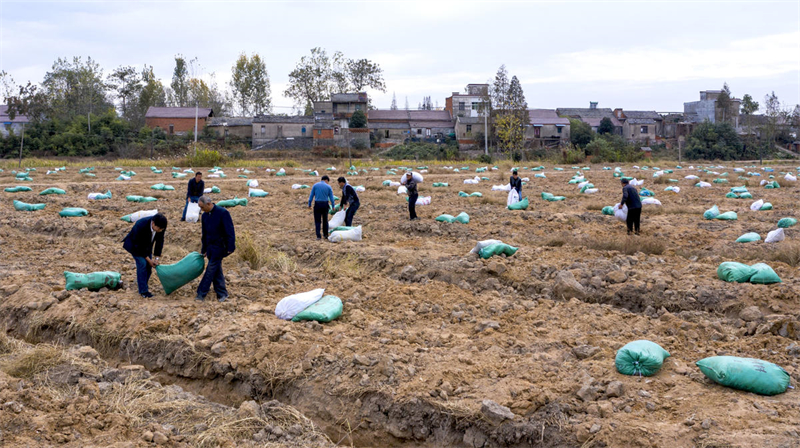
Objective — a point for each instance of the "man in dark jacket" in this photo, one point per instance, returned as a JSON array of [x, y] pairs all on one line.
[[413, 194], [516, 183], [139, 243], [630, 198], [218, 241], [194, 191], [349, 201]]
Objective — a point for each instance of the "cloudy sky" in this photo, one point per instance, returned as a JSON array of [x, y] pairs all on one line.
[[641, 54]]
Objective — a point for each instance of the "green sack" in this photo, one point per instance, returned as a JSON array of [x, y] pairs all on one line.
[[748, 238], [342, 228], [281, 174], [588, 186], [21, 175], [497, 249], [52, 190], [441, 184], [783, 223], [748, 374], [646, 193], [731, 271], [711, 213], [727, 216], [386, 183], [243, 176], [162, 187], [337, 208], [325, 309], [764, 275], [178, 175], [92, 281], [608, 210], [462, 194], [746, 195], [73, 212], [739, 190], [519, 205], [641, 357], [445, 218], [462, 217], [17, 189], [215, 189], [720, 181], [233, 202], [732, 195], [135, 198], [106, 195], [476, 194], [547, 196], [258, 194], [766, 206], [173, 276], [25, 207]]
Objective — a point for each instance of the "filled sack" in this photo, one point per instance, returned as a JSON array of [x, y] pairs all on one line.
[[93, 281], [337, 219], [52, 190], [651, 201], [727, 216], [73, 212], [497, 249], [17, 189], [133, 217], [513, 197], [482, 244], [764, 275], [352, 234], [608, 210], [621, 212], [257, 193], [415, 175], [233, 202], [173, 276], [192, 212], [775, 236], [25, 207], [519, 205], [506, 187], [711, 213], [785, 223], [731, 271], [748, 238], [292, 305], [324, 310], [756, 206], [640, 357], [748, 374]]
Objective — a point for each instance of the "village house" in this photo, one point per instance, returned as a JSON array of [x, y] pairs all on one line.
[[332, 120], [16, 125], [277, 131], [395, 126], [231, 127], [546, 128], [708, 109], [469, 104], [591, 116], [640, 125], [177, 120]]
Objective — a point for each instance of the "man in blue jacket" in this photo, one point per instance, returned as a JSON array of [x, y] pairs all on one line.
[[630, 198], [139, 242], [321, 193], [218, 241], [193, 191], [349, 201]]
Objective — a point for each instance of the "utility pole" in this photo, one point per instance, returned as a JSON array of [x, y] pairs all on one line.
[[196, 106], [21, 142], [485, 131]]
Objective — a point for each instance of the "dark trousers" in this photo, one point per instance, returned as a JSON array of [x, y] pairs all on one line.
[[188, 199], [321, 217], [519, 193], [143, 271], [351, 211], [214, 275], [412, 206], [634, 215]]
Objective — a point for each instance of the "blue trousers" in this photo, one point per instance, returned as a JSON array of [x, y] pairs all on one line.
[[351, 211], [214, 275], [188, 199], [143, 271]]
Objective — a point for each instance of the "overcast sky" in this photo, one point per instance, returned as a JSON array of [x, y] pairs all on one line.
[[650, 55]]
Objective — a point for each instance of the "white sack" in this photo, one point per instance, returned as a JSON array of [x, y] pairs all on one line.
[[756, 206], [424, 171], [402, 189], [314, 173], [192, 212], [692, 177], [417, 177], [651, 201], [621, 213], [124, 177], [580, 185], [482, 244], [254, 190], [296, 186], [591, 190], [143, 214], [636, 182], [426, 200], [775, 236], [337, 219], [526, 179], [764, 182], [252, 183], [360, 189], [290, 306], [394, 184], [513, 197], [345, 235], [738, 170], [506, 187], [93, 196], [281, 170], [704, 184], [473, 181], [213, 175], [790, 178]]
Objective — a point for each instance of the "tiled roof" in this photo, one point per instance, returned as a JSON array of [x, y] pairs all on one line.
[[388, 125], [431, 124], [17, 118], [585, 112], [641, 121], [360, 97], [177, 112], [283, 119], [384, 114], [546, 116], [231, 121], [651, 114], [596, 121]]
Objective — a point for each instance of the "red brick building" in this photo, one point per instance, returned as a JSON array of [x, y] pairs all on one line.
[[177, 120]]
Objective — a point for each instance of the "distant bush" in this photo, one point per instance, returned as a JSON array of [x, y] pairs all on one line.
[[485, 158], [422, 151], [206, 158]]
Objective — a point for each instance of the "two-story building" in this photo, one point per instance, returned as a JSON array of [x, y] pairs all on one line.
[[708, 109], [332, 120], [640, 125], [468, 104]]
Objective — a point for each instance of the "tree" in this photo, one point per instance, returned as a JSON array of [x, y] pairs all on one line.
[[75, 88], [508, 132], [363, 73], [724, 103], [606, 126], [127, 83], [749, 107], [518, 107], [580, 133], [7, 86], [152, 94], [312, 79], [394, 102], [250, 86], [772, 111], [180, 83], [358, 120], [711, 141], [31, 103], [498, 91]]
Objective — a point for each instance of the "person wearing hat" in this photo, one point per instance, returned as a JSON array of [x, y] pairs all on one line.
[[630, 198], [516, 183], [413, 195]]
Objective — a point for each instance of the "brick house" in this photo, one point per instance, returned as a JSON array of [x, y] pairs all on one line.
[[223, 127], [177, 120], [546, 128], [469, 104]]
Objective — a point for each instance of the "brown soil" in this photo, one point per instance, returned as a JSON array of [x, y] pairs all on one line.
[[429, 332]]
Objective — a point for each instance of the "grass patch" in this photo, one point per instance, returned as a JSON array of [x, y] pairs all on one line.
[[279, 261], [341, 266], [629, 245], [33, 362], [661, 180], [594, 206], [7, 345], [249, 251]]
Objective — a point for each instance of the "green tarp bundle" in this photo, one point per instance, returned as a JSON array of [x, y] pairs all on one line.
[[86, 170], [748, 374], [258, 194], [462, 194], [497, 249], [162, 187], [25, 207], [640, 357], [550, 198], [732, 271], [727, 216], [173, 276], [243, 176], [476, 194], [136, 198], [739, 190], [90, 175], [337, 208], [17, 189], [764, 275], [748, 238], [106, 195], [215, 189], [646, 193], [588, 186], [711, 213], [773, 184], [325, 309], [766, 206], [158, 171], [21, 175], [73, 212], [746, 195], [178, 175], [386, 183], [92, 281], [519, 205], [281, 174], [441, 184], [233, 202], [462, 217], [784, 223], [732, 195], [720, 181], [608, 210]]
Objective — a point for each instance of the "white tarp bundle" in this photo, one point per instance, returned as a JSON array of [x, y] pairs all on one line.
[[252, 183], [790, 178], [281, 170], [636, 182], [257, 192], [289, 306], [506, 187], [423, 200], [513, 197], [402, 189], [591, 190], [296, 186], [621, 213], [651, 201], [692, 177], [353, 234], [482, 244], [415, 175], [475, 180], [360, 189], [143, 214], [192, 212], [756, 206], [337, 219], [764, 182], [775, 236], [702, 184]]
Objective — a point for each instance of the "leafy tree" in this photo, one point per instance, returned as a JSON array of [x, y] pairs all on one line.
[[7, 85], [711, 141], [250, 86], [363, 73], [358, 120], [180, 82], [772, 111], [127, 83], [749, 107], [580, 133], [152, 94], [606, 126], [518, 107], [509, 135], [724, 103], [394, 102], [498, 91], [312, 79], [75, 88]]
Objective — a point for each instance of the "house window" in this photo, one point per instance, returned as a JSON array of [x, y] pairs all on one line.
[[263, 130], [335, 108], [477, 106], [319, 131], [304, 131], [226, 132], [386, 134], [537, 132], [461, 105], [427, 132], [559, 129], [419, 131], [171, 129], [643, 130], [358, 107], [469, 129]]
